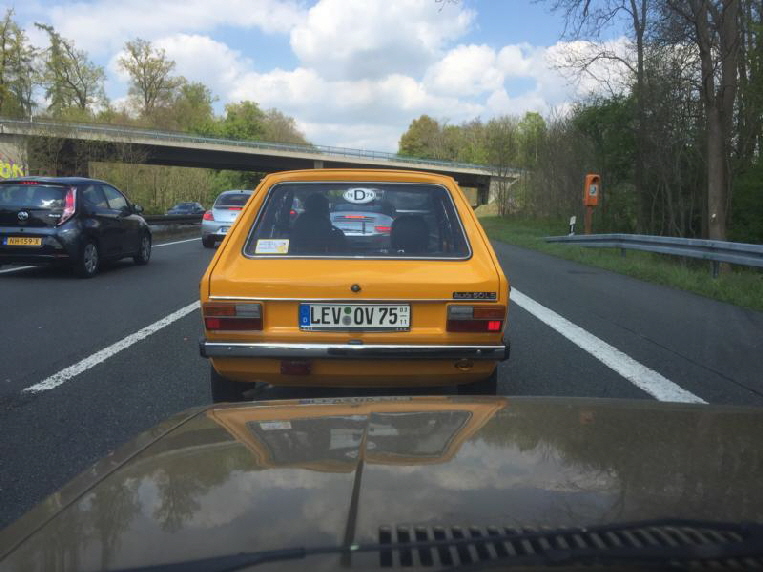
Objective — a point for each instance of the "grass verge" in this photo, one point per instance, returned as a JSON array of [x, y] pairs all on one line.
[[741, 286]]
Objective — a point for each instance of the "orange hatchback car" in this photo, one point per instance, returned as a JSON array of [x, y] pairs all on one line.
[[354, 277]]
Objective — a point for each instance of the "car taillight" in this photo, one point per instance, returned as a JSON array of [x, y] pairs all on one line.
[[208, 216], [233, 316], [476, 318], [70, 202], [235, 208], [383, 228]]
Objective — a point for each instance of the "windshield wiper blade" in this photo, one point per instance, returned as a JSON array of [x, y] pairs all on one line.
[[732, 540]]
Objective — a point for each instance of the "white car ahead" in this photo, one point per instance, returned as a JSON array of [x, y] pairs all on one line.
[[218, 219]]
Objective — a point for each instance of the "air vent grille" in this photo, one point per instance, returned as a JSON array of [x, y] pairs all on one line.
[[484, 545]]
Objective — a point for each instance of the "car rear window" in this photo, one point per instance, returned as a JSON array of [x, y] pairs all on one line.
[[370, 220], [32, 196], [232, 200]]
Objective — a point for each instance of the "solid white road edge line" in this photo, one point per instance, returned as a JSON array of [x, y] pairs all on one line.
[[15, 269], [177, 242], [67, 373], [641, 376]]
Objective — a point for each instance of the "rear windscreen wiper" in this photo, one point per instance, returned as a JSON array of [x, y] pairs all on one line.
[[677, 542]]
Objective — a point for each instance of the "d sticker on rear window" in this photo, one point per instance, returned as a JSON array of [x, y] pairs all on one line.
[[272, 246]]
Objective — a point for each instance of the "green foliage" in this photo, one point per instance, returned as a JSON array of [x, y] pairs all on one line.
[[422, 138], [747, 206], [17, 71], [73, 84], [151, 84]]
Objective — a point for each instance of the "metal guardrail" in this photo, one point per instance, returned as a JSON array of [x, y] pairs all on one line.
[[317, 150], [173, 219], [716, 251]]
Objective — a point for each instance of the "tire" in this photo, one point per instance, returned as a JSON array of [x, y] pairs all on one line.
[[89, 260], [144, 252], [208, 241], [487, 386], [226, 391]]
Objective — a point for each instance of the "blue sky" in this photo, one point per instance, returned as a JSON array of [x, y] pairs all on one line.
[[352, 73]]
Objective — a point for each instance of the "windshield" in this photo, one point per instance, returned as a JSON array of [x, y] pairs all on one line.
[[243, 202], [232, 199], [348, 219], [32, 196]]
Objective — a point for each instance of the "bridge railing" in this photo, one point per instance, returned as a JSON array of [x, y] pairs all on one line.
[[716, 251], [316, 150]]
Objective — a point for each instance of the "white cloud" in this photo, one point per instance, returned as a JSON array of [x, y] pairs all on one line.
[[374, 38], [103, 27], [466, 70]]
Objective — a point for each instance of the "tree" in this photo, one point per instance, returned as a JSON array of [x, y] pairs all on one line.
[[243, 120], [713, 26], [152, 84], [192, 108], [280, 128], [421, 139], [588, 19], [17, 73], [71, 80], [502, 139]]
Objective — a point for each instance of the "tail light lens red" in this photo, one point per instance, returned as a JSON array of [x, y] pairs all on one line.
[[70, 203], [208, 216], [232, 316], [476, 318], [235, 208], [385, 229]]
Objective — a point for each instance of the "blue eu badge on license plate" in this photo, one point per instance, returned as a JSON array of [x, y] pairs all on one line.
[[304, 315]]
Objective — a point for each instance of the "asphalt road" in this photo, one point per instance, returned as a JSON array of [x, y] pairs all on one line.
[[616, 332]]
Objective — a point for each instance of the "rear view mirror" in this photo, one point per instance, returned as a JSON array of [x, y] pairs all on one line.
[[137, 208]]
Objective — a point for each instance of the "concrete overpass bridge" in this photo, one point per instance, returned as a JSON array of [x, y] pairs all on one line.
[[188, 150]]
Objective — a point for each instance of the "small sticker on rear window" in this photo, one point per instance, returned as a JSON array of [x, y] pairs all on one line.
[[275, 425], [272, 246]]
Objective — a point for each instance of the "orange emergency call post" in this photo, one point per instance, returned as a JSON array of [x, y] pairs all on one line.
[[591, 191]]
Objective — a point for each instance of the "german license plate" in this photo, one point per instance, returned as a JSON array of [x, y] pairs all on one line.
[[22, 241], [357, 317]]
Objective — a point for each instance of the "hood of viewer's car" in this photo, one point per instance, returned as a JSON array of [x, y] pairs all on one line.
[[281, 474]]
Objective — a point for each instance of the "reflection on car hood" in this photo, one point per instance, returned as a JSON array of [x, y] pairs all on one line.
[[271, 475]]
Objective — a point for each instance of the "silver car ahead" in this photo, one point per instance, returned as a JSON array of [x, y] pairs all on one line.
[[218, 219]]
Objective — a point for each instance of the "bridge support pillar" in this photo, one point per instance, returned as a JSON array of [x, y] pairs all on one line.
[[13, 157]]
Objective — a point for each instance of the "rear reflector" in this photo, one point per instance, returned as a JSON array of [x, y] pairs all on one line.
[[233, 323], [383, 228], [232, 316]]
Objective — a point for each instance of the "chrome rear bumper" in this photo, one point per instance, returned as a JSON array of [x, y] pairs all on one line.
[[351, 351]]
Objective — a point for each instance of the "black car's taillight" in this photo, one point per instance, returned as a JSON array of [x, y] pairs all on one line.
[[232, 316], [476, 318], [70, 203]]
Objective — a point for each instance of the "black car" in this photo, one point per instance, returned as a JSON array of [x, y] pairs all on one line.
[[186, 209], [69, 220]]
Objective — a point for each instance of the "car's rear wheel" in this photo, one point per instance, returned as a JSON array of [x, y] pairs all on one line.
[[226, 391], [89, 261], [144, 253], [208, 241], [487, 386]]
